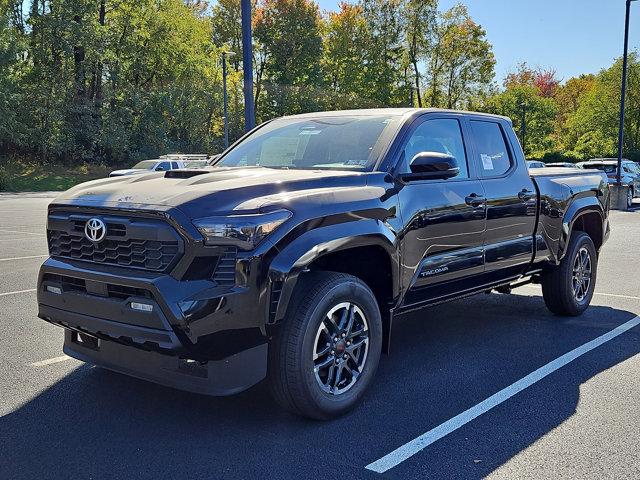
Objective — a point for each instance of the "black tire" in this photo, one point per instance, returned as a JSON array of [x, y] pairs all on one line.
[[559, 286], [292, 377], [630, 195]]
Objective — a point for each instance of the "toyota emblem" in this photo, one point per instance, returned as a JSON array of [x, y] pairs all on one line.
[[95, 230]]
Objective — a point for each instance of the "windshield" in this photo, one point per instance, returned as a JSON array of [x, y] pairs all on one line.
[[340, 143], [145, 165]]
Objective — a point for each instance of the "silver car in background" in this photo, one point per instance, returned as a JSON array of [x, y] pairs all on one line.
[[630, 175]]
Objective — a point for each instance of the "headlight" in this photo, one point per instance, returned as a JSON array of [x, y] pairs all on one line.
[[243, 231]]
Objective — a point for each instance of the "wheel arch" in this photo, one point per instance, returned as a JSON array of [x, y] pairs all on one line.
[[365, 249], [586, 215]]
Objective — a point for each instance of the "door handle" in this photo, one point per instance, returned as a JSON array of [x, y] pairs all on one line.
[[475, 200], [526, 195]]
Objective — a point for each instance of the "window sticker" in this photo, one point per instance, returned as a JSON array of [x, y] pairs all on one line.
[[487, 161]]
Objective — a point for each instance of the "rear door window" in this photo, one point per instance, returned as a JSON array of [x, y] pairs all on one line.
[[493, 155]]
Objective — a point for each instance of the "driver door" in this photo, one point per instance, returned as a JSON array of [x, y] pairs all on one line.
[[442, 242]]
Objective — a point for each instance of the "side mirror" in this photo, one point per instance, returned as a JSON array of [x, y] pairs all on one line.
[[159, 169], [433, 166]]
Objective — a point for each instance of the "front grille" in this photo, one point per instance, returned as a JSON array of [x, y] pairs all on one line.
[[147, 244], [145, 254]]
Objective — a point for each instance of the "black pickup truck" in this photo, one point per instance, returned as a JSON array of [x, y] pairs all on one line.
[[290, 258]]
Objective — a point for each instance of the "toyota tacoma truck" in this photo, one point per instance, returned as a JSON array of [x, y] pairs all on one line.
[[292, 256]]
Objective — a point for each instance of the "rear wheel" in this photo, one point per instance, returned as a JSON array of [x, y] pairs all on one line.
[[568, 288], [327, 352]]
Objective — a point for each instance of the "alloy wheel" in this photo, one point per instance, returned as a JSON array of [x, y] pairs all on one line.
[[581, 278], [340, 348]]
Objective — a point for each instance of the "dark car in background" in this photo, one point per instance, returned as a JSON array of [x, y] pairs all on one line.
[[630, 175]]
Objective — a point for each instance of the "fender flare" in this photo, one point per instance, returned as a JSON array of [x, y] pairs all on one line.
[[578, 208], [296, 257]]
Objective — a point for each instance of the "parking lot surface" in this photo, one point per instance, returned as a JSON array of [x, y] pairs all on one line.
[[60, 418]]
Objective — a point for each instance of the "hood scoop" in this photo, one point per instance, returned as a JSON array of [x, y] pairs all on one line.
[[184, 173]]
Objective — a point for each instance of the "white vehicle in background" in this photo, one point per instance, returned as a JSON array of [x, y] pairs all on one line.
[[563, 165], [535, 164], [165, 163]]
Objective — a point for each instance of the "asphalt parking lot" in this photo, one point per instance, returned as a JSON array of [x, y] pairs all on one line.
[[60, 418]]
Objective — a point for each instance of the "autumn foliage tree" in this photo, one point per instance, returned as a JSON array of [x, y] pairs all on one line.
[[290, 34], [120, 80]]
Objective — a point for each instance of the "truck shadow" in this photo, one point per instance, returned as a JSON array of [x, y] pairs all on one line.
[[96, 424]]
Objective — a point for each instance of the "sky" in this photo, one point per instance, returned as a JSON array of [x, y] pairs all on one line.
[[569, 36]]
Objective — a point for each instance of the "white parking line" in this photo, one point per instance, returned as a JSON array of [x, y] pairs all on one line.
[[22, 258], [409, 449], [614, 295], [17, 291], [23, 232], [51, 361]]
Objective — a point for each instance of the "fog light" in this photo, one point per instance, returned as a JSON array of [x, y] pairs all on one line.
[[143, 307], [56, 290]]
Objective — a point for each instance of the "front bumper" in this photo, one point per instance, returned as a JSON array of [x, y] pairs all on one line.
[[196, 336], [224, 377]]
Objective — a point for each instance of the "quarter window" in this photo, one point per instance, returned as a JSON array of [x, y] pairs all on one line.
[[441, 135], [493, 155]]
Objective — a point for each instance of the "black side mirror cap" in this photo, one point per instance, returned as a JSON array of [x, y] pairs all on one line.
[[432, 166]]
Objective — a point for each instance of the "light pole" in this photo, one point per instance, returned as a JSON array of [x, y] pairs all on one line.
[[225, 54], [623, 92], [247, 65]]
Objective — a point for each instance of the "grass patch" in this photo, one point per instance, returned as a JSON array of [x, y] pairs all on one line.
[[17, 176]]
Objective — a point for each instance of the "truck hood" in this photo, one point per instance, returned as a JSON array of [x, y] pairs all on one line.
[[220, 191]]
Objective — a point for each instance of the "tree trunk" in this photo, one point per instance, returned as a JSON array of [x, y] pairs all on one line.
[[99, 66], [417, 75]]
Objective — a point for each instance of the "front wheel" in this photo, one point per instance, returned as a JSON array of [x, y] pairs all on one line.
[[568, 288], [327, 351]]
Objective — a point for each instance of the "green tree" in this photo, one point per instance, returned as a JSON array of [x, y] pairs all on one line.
[[461, 67], [12, 46], [109, 80], [540, 114], [592, 130], [289, 33], [420, 21], [385, 50], [226, 27], [345, 39]]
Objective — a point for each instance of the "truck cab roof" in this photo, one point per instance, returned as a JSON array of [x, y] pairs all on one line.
[[404, 111]]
